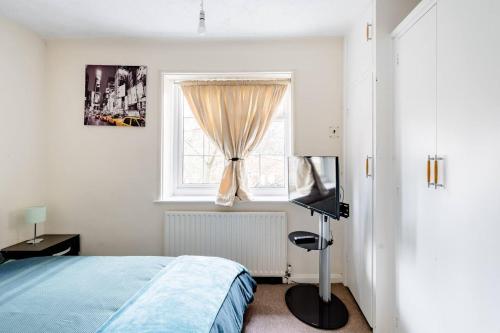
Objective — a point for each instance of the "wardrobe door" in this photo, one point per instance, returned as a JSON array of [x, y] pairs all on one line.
[[359, 152], [360, 173], [415, 127], [360, 46], [469, 141]]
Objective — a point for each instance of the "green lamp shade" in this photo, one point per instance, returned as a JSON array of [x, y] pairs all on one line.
[[36, 214]]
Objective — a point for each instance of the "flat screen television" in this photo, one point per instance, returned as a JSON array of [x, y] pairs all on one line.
[[313, 183]]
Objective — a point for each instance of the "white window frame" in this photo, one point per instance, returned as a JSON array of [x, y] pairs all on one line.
[[172, 135]]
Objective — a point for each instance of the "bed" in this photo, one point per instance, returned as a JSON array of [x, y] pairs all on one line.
[[123, 294]]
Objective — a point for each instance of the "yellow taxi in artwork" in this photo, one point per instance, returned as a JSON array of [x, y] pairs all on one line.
[[115, 119], [130, 121]]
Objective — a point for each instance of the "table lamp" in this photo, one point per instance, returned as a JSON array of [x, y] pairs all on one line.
[[35, 215]]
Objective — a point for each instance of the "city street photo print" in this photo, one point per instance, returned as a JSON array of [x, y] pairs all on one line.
[[115, 95]]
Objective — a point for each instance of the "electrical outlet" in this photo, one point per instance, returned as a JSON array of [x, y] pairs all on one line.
[[288, 274]]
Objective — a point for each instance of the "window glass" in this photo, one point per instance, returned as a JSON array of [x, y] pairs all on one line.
[[203, 163]]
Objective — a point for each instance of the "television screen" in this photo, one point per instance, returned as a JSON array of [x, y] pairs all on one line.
[[313, 183]]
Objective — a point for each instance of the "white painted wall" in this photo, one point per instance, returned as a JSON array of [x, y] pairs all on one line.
[[103, 181], [22, 134]]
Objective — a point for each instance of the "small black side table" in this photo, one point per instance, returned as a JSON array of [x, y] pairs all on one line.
[[58, 245]]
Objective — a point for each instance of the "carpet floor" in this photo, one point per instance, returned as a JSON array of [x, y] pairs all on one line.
[[269, 313]]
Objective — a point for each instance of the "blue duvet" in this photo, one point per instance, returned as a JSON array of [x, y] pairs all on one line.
[[81, 294]]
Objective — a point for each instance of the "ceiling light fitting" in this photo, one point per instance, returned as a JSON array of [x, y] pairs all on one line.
[[202, 29]]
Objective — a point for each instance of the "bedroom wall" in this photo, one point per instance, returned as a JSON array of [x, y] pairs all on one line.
[[22, 136], [104, 181]]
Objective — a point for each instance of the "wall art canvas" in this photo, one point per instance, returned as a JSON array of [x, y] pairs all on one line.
[[115, 95]]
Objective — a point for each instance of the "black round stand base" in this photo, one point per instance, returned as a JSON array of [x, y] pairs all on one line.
[[304, 302]]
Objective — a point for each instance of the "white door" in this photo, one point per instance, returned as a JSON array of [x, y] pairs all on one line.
[[415, 126], [360, 183], [468, 222], [359, 148], [360, 46]]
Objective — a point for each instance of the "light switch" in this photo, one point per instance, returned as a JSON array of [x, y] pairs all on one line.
[[334, 132]]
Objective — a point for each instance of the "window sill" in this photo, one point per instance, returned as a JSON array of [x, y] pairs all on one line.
[[193, 198]]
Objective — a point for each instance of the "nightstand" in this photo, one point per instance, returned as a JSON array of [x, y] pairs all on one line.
[[52, 245]]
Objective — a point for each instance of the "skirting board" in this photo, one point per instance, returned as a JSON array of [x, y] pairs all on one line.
[[314, 278]]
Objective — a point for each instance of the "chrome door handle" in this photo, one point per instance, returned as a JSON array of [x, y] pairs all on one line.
[[434, 174], [369, 32]]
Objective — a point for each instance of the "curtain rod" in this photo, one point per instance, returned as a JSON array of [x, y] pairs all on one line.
[[232, 82]]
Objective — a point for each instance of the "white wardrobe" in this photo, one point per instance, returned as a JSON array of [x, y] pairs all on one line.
[[359, 162], [447, 149]]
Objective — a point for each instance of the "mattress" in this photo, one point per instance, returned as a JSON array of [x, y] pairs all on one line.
[[79, 294]]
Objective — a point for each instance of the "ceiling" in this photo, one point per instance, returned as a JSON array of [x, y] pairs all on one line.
[[225, 19]]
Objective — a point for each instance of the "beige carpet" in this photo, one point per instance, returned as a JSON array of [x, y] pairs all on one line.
[[269, 313]]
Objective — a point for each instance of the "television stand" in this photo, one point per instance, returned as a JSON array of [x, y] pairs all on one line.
[[317, 306]]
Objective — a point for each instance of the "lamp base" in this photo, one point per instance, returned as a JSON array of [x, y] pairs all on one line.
[[34, 241]]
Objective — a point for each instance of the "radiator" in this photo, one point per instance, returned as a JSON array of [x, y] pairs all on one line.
[[256, 240]]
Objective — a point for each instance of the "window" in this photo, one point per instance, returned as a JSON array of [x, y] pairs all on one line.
[[195, 165]]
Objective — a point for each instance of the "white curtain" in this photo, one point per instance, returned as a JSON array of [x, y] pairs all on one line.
[[235, 114]]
